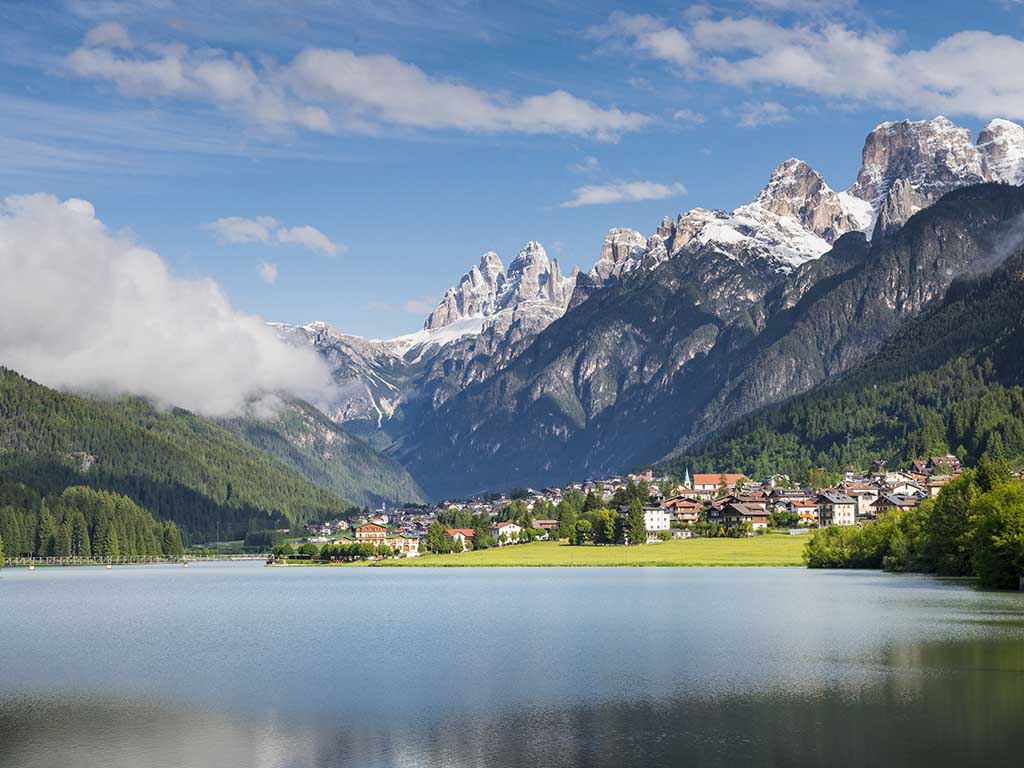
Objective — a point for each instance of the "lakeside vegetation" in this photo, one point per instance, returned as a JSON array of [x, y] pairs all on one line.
[[80, 522], [975, 527]]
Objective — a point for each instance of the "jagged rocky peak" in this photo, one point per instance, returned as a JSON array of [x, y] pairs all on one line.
[[487, 288], [1001, 144], [621, 252], [933, 156], [795, 189]]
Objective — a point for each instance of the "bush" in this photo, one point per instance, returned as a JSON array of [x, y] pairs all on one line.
[[999, 541]]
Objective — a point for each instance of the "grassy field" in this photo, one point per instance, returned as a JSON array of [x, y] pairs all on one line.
[[779, 549]]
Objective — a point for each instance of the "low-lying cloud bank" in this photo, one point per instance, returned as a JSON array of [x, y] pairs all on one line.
[[86, 310]]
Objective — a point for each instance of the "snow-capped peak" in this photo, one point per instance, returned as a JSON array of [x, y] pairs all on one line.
[[488, 289], [1001, 143]]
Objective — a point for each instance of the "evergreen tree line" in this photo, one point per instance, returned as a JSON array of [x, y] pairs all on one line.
[[975, 527], [173, 463], [81, 522]]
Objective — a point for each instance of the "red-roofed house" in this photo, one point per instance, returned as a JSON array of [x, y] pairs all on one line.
[[460, 537]]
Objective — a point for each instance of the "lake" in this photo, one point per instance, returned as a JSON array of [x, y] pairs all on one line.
[[241, 665]]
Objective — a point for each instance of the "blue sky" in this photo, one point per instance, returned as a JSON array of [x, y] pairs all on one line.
[[376, 148]]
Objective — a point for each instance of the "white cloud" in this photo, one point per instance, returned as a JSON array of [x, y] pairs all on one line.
[[322, 89], [589, 164], [235, 229], [804, 6], [383, 89], [753, 114], [688, 116], [267, 229], [970, 72], [268, 272], [650, 36], [622, 192], [308, 237], [110, 34], [230, 82], [420, 306], [85, 310]]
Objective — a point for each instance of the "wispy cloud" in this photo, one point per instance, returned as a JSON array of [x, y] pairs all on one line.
[[688, 117], [267, 272], [622, 192], [754, 114], [974, 73], [589, 164], [419, 306], [328, 89], [267, 229]]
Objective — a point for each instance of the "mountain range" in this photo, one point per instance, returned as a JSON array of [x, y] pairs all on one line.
[[528, 375]]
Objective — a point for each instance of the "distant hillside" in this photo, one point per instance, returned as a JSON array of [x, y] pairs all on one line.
[[309, 442], [178, 465], [948, 380]]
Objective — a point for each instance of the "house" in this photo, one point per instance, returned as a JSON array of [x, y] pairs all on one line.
[[686, 510], [944, 464], [711, 482], [805, 510], [736, 514], [405, 544], [887, 502], [780, 498], [836, 508], [936, 483], [461, 537], [370, 533], [864, 494], [506, 528], [656, 520], [906, 489]]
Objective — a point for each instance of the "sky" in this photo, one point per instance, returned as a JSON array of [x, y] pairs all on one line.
[[348, 161]]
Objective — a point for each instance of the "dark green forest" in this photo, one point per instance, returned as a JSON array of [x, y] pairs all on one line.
[[80, 522], [175, 464], [948, 381]]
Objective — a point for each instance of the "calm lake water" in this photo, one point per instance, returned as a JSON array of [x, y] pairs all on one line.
[[239, 665]]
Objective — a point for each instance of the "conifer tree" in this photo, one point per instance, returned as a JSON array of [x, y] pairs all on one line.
[[636, 526], [46, 532]]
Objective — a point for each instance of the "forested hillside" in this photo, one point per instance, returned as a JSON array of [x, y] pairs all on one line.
[[175, 464], [306, 440], [949, 380]]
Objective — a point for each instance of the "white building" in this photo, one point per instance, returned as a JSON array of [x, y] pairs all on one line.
[[656, 520], [836, 508], [510, 529]]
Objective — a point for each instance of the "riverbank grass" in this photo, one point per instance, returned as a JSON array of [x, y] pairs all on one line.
[[769, 550]]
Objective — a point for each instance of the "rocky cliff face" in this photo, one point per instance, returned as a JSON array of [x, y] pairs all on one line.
[[487, 289], [528, 371], [652, 362], [1001, 144], [908, 165]]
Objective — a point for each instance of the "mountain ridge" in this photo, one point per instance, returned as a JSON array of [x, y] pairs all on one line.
[[743, 267]]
